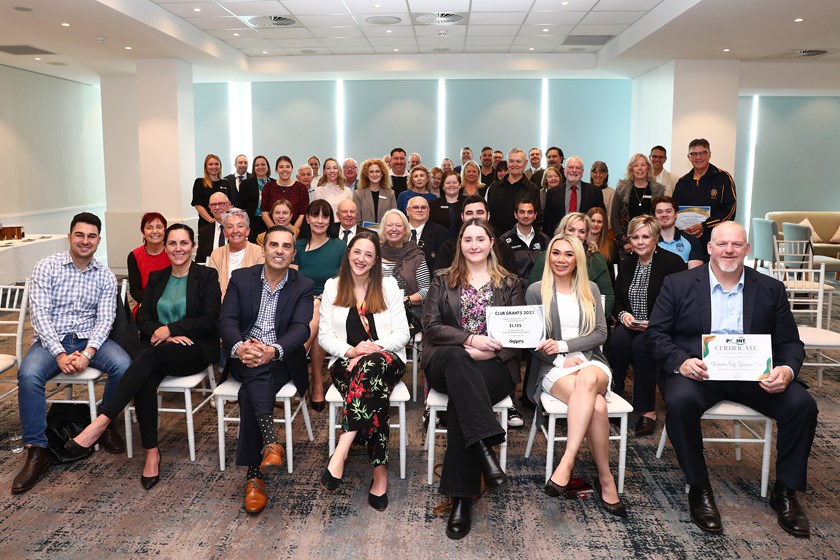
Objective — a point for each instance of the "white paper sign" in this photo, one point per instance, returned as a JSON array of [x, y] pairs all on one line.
[[690, 215], [737, 357], [521, 326]]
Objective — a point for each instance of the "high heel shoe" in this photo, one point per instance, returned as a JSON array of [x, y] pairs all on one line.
[[149, 482], [379, 503], [553, 489], [75, 451], [328, 481], [318, 406], [616, 509]]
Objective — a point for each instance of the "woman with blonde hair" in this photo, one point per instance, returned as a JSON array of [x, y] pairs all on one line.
[[471, 179], [570, 365], [405, 261], [281, 214], [461, 360], [374, 196], [419, 183], [633, 198], [204, 187], [602, 237], [331, 186]]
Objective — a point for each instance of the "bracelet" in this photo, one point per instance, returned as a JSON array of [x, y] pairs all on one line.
[[87, 355]]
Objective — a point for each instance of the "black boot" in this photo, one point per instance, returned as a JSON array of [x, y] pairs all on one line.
[[791, 517], [460, 519], [494, 476]]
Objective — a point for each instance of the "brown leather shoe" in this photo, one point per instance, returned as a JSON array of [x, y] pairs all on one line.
[[111, 441], [37, 463], [255, 496], [273, 455]]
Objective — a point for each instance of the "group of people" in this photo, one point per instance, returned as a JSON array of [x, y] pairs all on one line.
[[321, 284]]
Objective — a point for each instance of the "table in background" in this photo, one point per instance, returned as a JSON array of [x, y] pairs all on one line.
[[18, 258]]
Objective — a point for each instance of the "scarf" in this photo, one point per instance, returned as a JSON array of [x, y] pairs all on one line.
[[406, 261]]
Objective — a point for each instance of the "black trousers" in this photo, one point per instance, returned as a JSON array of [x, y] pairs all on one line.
[[256, 396], [473, 388], [626, 346], [142, 378], [794, 410]]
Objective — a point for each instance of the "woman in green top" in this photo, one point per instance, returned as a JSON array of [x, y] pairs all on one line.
[[177, 323], [318, 257], [577, 224]]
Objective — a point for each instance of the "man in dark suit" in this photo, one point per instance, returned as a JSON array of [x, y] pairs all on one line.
[[236, 179], [263, 324], [212, 236], [574, 195], [429, 236], [725, 297], [348, 213]]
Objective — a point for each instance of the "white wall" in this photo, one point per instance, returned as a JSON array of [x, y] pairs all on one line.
[[652, 112]]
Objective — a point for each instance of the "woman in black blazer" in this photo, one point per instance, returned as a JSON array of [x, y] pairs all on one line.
[[177, 322], [462, 361], [250, 195], [640, 278]]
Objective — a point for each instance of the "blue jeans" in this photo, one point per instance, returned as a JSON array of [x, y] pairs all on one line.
[[39, 366]]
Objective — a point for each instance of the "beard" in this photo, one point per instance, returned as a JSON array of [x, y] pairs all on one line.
[[726, 267]]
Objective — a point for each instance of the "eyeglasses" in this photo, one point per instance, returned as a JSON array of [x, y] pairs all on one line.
[[418, 207], [704, 153], [656, 157]]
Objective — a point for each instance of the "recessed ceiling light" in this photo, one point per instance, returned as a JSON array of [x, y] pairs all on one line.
[[265, 52], [725, 50], [37, 58], [196, 9], [798, 20], [546, 30], [377, 5], [564, 3], [530, 48], [388, 31], [128, 48], [396, 50], [65, 24]]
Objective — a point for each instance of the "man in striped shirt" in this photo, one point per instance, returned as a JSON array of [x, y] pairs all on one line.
[[72, 302]]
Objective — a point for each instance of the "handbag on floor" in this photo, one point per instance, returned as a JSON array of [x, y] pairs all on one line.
[[65, 421]]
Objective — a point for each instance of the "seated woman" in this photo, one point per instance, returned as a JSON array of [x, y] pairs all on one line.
[[603, 238], [148, 257], [373, 196], [405, 261], [177, 322], [318, 257], [238, 252], [570, 366], [281, 215], [640, 278], [364, 330], [472, 368]]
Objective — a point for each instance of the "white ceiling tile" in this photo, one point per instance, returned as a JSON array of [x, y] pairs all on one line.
[[336, 31], [484, 49], [307, 51], [500, 6], [492, 30], [448, 6], [577, 49], [494, 18], [395, 42], [553, 29], [623, 5], [316, 7], [187, 9], [344, 42], [366, 6], [434, 50], [531, 48], [541, 41], [402, 50], [322, 21], [537, 18], [215, 22], [555, 6], [489, 41], [351, 50], [259, 52], [598, 18], [253, 44], [449, 42], [598, 29], [433, 30], [382, 31], [261, 8], [286, 33], [244, 33], [297, 43]]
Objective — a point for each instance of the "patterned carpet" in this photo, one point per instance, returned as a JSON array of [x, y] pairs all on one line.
[[96, 508]]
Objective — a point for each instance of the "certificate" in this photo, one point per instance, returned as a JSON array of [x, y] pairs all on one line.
[[737, 357], [690, 215], [519, 326]]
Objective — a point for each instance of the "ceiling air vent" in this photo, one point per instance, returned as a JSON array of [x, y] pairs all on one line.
[[23, 50], [439, 18], [268, 22], [383, 20], [803, 53], [587, 40]]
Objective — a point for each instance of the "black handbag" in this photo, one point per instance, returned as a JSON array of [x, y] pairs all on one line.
[[65, 421]]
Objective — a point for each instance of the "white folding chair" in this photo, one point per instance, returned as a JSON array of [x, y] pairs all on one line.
[[12, 302], [229, 391], [806, 292], [437, 402], [798, 256], [617, 407], [184, 385], [739, 414], [399, 396], [413, 350]]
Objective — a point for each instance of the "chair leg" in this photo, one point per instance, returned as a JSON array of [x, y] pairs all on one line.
[[190, 428], [430, 445], [129, 435], [92, 404], [331, 428], [736, 431], [622, 452], [403, 439], [549, 446], [765, 456], [305, 411], [503, 447], [220, 419], [287, 415], [662, 439], [533, 435]]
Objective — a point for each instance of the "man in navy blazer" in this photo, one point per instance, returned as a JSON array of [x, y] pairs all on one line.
[[557, 201], [263, 324], [725, 297]]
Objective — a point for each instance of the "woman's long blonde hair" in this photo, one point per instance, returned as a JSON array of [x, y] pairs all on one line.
[[580, 285]]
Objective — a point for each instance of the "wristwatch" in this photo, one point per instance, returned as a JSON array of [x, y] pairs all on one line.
[[276, 353], [87, 355]]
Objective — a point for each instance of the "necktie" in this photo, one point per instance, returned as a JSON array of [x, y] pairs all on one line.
[[346, 236], [414, 235], [239, 178], [573, 200], [221, 237]]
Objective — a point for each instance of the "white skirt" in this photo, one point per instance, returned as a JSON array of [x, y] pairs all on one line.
[[556, 373]]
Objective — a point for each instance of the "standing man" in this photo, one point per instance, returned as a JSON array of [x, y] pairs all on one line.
[[348, 213], [263, 324], [72, 305], [351, 173], [414, 160], [503, 195], [488, 173], [429, 236], [236, 179], [553, 158], [399, 175], [304, 177], [706, 185], [726, 298], [498, 156], [658, 157], [535, 157], [575, 195], [466, 155], [526, 242], [212, 236], [672, 238]]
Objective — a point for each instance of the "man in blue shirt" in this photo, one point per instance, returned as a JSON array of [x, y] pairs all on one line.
[[726, 297], [672, 238]]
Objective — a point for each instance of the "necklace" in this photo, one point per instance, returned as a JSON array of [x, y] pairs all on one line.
[[636, 192]]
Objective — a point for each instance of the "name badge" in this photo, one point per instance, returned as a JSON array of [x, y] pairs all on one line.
[[647, 196], [444, 207], [381, 197]]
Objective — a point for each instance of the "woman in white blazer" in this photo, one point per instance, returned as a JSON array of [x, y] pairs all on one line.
[[364, 330]]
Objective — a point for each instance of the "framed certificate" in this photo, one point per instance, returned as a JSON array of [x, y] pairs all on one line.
[[690, 215], [520, 326], [737, 357]]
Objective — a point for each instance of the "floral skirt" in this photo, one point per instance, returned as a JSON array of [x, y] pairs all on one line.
[[366, 390]]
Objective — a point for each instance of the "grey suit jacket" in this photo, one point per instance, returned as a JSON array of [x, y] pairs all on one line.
[[364, 200], [589, 345]]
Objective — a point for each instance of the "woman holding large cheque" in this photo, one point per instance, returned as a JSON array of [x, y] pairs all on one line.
[[570, 366]]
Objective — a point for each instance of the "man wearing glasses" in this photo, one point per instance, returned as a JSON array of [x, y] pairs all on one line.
[[706, 185], [658, 157]]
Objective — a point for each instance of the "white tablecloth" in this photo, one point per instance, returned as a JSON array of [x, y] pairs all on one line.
[[18, 258]]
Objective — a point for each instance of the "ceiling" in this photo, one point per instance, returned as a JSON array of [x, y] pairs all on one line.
[[331, 38]]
